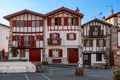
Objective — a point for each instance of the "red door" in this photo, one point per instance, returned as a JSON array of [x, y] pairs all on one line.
[[35, 55], [72, 55]]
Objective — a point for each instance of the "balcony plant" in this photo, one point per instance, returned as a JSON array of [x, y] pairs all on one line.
[[14, 51], [116, 74]]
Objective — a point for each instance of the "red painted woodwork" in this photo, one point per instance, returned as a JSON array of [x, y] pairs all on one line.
[[33, 43], [74, 36], [60, 52], [76, 21], [13, 38], [35, 55], [26, 23], [41, 37], [41, 23], [13, 23], [65, 21], [67, 36], [29, 23], [56, 60], [22, 41], [59, 21], [54, 42], [72, 55], [49, 21], [50, 52]]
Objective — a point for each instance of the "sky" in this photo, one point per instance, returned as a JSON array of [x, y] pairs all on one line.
[[90, 8]]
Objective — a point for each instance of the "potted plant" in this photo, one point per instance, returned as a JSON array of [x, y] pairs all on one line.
[[14, 51], [116, 75]]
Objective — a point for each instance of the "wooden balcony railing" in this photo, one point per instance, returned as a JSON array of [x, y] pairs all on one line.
[[26, 44], [54, 42]]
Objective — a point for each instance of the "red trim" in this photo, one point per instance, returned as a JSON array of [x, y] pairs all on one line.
[[66, 10], [65, 21], [59, 21], [14, 23], [13, 38], [27, 32], [8, 17], [50, 52], [41, 37], [41, 23], [60, 53], [76, 21], [49, 21]]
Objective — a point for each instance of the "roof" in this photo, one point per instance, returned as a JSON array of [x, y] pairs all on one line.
[[4, 25], [8, 17], [113, 15], [97, 20], [64, 9]]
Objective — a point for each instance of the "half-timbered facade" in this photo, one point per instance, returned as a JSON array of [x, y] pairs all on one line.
[[114, 19], [62, 36], [26, 34], [96, 42]]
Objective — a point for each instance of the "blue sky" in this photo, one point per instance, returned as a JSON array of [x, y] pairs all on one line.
[[90, 8]]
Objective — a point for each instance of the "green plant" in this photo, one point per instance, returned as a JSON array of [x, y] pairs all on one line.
[[14, 51], [117, 74], [45, 62]]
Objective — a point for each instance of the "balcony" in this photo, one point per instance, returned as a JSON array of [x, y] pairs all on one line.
[[26, 44], [54, 42]]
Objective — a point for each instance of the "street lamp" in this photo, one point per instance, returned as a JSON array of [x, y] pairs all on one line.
[[79, 70]]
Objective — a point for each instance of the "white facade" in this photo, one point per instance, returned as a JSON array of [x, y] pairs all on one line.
[[4, 37]]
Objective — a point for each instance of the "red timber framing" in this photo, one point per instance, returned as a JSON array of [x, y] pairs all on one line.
[[72, 54], [23, 23]]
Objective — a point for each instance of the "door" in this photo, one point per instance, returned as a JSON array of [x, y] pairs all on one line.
[[72, 55], [35, 55], [87, 59]]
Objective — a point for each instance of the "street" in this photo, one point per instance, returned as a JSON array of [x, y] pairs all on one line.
[[60, 72]]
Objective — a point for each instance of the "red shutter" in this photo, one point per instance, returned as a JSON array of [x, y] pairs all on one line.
[[41, 22], [65, 21], [76, 21], [22, 41], [60, 52], [29, 23], [67, 36], [49, 21], [50, 52], [41, 37], [74, 36], [32, 41], [50, 35], [13, 38], [13, 23], [26, 23], [59, 21]]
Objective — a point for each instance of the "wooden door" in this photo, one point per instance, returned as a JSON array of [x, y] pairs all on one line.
[[72, 55], [35, 55], [87, 59]]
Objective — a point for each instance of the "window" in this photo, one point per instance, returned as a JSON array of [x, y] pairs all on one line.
[[54, 36], [35, 23], [101, 42], [27, 41], [56, 21], [71, 36], [98, 57], [22, 53], [17, 38], [37, 37], [91, 43], [71, 21], [20, 23], [86, 43], [55, 52]]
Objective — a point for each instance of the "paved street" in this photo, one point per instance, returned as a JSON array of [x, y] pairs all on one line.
[[60, 72]]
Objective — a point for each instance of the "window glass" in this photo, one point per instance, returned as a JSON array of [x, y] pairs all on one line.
[[56, 21], [17, 38], [98, 57], [71, 36], [33, 24], [20, 23], [55, 52]]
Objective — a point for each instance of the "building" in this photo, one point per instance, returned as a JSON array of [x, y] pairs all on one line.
[[62, 36], [26, 34], [4, 38], [96, 42], [114, 19]]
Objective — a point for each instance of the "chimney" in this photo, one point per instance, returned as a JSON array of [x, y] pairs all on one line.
[[103, 18], [77, 9], [112, 11]]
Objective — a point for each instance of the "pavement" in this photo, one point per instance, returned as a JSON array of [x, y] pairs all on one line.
[[60, 72]]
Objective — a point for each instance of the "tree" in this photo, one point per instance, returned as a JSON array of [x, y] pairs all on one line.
[[14, 51]]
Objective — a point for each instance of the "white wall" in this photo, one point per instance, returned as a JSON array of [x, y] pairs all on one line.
[[4, 37]]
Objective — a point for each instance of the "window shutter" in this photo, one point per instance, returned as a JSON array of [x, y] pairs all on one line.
[[76, 21], [13, 38], [29, 23], [65, 21], [60, 52], [50, 52], [97, 42], [26, 23], [13, 23], [74, 36], [22, 41], [67, 36], [49, 21], [41, 37], [41, 22], [32, 41], [59, 21]]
